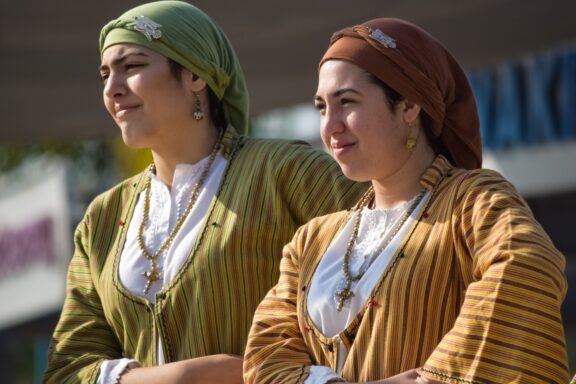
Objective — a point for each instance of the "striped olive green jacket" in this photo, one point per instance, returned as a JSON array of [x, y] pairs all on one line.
[[472, 295], [269, 189]]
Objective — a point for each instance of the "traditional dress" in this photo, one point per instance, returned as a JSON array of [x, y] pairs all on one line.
[[269, 188], [471, 295]]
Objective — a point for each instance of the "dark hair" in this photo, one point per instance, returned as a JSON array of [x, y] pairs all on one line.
[[393, 98], [215, 105], [391, 95]]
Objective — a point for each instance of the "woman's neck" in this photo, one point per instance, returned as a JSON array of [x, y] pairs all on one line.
[[187, 149], [405, 183]]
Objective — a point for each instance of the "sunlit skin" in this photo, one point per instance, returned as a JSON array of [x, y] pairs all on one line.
[[154, 109], [367, 137]]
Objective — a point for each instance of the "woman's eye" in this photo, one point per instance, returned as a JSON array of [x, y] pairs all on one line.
[[346, 101], [104, 76], [128, 66], [320, 107]]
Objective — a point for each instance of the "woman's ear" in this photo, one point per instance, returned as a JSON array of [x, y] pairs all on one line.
[[410, 111], [193, 82]]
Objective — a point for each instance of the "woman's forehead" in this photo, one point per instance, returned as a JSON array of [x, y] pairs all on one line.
[[338, 73], [118, 52]]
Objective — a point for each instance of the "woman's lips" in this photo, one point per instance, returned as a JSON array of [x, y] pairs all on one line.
[[340, 148], [122, 110]]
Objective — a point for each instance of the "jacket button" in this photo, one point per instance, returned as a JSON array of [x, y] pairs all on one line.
[[331, 348]]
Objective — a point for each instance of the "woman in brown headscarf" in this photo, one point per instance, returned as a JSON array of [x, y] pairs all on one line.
[[440, 274]]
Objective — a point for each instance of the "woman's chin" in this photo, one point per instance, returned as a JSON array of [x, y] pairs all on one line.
[[134, 141], [354, 175]]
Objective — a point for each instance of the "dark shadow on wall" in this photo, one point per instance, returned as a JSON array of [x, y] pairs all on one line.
[[556, 213]]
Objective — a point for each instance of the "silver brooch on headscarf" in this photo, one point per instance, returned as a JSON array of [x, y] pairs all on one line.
[[148, 28], [382, 38]]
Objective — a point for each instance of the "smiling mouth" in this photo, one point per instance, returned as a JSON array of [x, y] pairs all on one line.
[[340, 147], [120, 112]]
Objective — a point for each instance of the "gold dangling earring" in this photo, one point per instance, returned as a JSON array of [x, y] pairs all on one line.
[[198, 113], [411, 141]]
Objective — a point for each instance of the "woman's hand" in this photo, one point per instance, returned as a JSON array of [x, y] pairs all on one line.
[[220, 368]]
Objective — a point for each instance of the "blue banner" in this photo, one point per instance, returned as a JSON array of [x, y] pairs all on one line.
[[529, 102]]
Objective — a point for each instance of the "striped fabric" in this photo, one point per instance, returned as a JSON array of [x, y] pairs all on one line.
[[269, 189], [472, 295]]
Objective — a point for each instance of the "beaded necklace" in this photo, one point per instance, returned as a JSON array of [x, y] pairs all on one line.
[[345, 293], [153, 274]]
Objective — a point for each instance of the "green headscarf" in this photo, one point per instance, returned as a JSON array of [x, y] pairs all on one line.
[[187, 35]]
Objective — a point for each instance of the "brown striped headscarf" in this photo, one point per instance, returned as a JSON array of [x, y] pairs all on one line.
[[421, 69]]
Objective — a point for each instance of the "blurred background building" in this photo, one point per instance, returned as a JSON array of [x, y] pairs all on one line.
[[59, 148]]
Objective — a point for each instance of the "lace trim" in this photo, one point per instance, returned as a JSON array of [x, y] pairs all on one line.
[[128, 367], [373, 232]]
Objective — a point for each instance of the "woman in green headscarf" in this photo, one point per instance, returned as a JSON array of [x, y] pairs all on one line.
[[170, 264]]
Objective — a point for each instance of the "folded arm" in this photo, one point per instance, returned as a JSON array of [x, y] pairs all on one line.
[[276, 352]]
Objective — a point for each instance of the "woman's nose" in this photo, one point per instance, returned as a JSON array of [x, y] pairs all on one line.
[[114, 86], [331, 122]]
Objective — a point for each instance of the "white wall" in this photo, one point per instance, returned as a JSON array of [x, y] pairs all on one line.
[[33, 285]]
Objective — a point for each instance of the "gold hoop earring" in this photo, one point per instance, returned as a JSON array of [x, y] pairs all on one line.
[[411, 141], [198, 113]]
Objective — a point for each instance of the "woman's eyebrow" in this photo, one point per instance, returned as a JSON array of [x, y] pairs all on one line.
[[122, 58], [338, 93]]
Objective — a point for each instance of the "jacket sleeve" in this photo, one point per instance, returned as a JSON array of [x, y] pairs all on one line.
[[314, 185], [276, 352], [509, 329], [82, 339]]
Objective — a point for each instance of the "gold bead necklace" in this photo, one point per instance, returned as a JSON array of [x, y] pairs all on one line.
[[344, 294], [153, 274]]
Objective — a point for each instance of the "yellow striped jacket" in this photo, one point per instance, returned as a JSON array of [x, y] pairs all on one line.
[[269, 189], [472, 295]]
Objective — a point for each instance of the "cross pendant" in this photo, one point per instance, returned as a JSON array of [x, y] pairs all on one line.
[[342, 296], [151, 276]]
